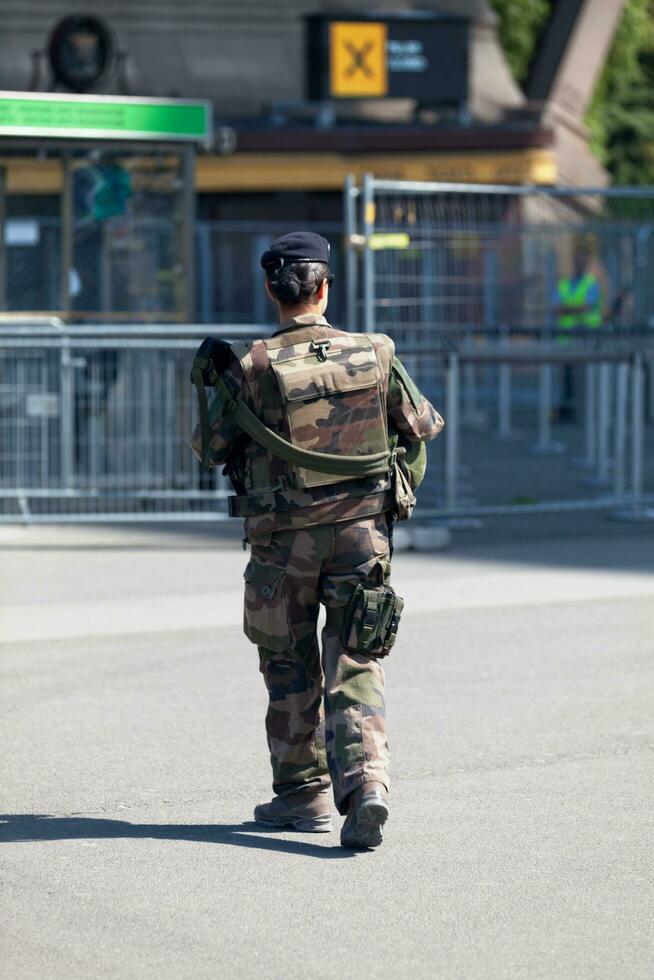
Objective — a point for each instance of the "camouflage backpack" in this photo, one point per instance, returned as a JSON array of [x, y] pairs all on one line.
[[332, 395], [326, 385]]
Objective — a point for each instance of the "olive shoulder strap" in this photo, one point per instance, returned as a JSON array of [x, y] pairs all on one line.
[[352, 466]]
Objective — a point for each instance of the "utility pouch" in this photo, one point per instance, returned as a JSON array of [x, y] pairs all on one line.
[[404, 499], [371, 620]]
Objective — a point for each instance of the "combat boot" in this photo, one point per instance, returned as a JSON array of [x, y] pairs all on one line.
[[367, 813], [301, 810]]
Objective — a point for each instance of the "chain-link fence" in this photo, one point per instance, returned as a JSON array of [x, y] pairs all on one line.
[[443, 261], [108, 238], [229, 275], [124, 265], [32, 279], [543, 405]]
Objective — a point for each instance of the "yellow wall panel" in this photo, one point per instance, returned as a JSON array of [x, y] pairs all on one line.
[[26, 175], [263, 172], [326, 171]]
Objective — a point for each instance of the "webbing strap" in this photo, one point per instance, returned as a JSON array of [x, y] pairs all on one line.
[[335, 616], [372, 611], [352, 466], [199, 365]]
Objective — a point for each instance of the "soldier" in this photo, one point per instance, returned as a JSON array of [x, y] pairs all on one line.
[[319, 539]]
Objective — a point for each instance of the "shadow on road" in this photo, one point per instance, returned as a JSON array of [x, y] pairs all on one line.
[[15, 827]]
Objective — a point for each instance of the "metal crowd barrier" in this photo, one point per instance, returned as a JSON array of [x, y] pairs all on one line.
[[95, 423], [615, 455]]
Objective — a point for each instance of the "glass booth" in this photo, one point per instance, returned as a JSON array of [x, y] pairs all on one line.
[[97, 206]]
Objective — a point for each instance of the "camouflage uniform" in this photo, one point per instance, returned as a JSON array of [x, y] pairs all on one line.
[[311, 545]]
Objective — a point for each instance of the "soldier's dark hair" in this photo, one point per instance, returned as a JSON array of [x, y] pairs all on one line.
[[293, 283]]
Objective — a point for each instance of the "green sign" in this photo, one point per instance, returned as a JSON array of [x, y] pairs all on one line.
[[103, 117]]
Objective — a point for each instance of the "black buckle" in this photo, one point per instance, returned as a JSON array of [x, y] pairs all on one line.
[[320, 348]]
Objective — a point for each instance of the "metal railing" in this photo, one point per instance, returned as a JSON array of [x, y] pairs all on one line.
[[616, 465], [95, 420], [95, 424]]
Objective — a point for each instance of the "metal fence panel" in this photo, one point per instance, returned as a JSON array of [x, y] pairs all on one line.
[[95, 425], [123, 267], [534, 422], [229, 274], [466, 259]]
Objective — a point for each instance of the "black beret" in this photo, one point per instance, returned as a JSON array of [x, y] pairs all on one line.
[[298, 246]]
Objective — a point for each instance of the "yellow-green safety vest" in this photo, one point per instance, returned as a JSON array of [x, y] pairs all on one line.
[[575, 293]]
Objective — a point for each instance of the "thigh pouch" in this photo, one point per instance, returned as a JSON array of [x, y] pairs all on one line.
[[369, 622]]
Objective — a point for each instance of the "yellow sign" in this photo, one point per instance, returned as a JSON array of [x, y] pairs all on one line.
[[358, 63], [386, 240]]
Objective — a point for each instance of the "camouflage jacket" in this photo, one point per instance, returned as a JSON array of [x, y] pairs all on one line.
[[266, 497]]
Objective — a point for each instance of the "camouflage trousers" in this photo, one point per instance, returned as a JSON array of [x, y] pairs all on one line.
[[325, 721]]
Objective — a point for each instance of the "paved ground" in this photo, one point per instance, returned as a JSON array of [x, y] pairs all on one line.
[[521, 700]]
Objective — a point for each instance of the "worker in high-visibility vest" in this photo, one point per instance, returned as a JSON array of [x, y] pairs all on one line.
[[579, 303], [577, 306]]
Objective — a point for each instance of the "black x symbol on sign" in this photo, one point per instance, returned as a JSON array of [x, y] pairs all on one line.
[[359, 58]]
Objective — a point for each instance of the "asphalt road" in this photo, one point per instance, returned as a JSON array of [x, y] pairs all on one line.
[[521, 707]]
